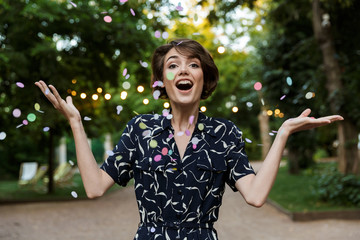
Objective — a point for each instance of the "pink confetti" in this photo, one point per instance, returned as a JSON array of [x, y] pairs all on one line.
[[179, 7], [157, 158], [187, 132], [164, 151], [73, 4], [257, 86], [16, 112], [179, 43], [107, 19], [124, 71], [191, 119], [20, 84], [282, 97], [25, 122], [194, 146], [171, 135], [157, 34], [123, 1], [132, 11], [165, 112]]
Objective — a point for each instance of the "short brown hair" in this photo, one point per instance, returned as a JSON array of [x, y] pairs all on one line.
[[190, 48]]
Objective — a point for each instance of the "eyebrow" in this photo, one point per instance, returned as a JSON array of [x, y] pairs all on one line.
[[175, 56]]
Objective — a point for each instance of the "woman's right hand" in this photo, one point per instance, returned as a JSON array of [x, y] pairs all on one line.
[[67, 107]]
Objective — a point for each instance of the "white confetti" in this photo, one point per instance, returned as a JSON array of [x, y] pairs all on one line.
[[74, 194], [87, 118]]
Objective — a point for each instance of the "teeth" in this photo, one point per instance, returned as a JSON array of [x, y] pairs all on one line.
[[184, 82]]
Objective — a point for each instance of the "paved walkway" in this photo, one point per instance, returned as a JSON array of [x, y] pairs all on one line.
[[115, 216]]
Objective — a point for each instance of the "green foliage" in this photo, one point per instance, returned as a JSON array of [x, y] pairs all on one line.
[[335, 187]]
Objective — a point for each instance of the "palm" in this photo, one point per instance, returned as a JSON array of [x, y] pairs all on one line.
[[303, 122], [67, 107]]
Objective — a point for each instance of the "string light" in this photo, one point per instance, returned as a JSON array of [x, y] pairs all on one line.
[[83, 95], [146, 101], [123, 95], [95, 97], [140, 89], [269, 112], [73, 92], [99, 90], [235, 109], [203, 109], [107, 96], [166, 105]]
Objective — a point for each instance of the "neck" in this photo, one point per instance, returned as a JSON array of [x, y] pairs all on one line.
[[181, 115]]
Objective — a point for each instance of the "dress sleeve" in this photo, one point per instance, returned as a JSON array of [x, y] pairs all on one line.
[[119, 164], [237, 160]]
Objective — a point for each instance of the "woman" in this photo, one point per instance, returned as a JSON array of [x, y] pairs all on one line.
[[180, 160]]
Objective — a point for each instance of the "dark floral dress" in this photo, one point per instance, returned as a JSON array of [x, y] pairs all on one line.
[[178, 198]]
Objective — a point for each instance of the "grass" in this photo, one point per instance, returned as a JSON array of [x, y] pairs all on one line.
[[295, 193], [10, 191]]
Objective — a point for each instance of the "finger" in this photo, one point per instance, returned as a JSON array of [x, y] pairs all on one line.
[[69, 100], [41, 85], [305, 113], [56, 93]]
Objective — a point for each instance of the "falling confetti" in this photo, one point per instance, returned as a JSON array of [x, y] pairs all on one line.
[[157, 158], [309, 95], [170, 76], [282, 97], [144, 64], [165, 35], [153, 143], [249, 104], [179, 7], [47, 91], [87, 118], [16, 112], [180, 133], [248, 140], [289, 81], [2, 135], [124, 72], [74, 194], [271, 134], [157, 34], [108, 19], [164, 151], [156, 116], [20, 84], [142, 125], [146, 133], [156, 94], [73, 4], [191, 119], [179, 43], [119, 108], [123, 1], [126, 85], [262, 102], [187, 132], [170, 116], [46, 129], [25, 122], [201, 126], [31, 117], [37, 106], [71, 163], [127, 76], [165, 112], [132, 12], [20, 125], [171, 135], [257, 86], [110, 153]]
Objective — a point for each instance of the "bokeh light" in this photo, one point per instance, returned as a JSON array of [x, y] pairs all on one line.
[[257, 86], [95, 97], [203, 108], [146, 101], [73, 92], [73, 81], [221, 49], [235, 109], [107, 96], [140, 89], [83, 95], [269, 112], [277, 111], [99, 90], [123, 95], [166, 104]]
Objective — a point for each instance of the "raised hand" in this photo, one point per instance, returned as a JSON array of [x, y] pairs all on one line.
[[304, 122], [67, 107]]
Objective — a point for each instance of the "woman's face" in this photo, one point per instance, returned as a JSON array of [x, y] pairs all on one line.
[[183, 78]]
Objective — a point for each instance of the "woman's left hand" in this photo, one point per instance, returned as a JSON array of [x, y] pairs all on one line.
[[304, 122]]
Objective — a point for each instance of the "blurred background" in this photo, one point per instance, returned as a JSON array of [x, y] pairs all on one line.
[[276, 58]]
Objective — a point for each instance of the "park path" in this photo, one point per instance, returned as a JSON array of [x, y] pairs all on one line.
[[115, 216]]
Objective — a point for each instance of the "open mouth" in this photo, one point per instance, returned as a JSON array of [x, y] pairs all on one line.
[[184, 85]]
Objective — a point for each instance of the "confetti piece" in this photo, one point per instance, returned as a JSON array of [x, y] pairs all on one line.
[[47, 91], [249, 104], [31, 117], [142, 125], [107, 19], [308, 95], [126, 85], [144, 64], [165, 112], [110, 153], [37, 106], [127, 76], [20, 84], [152, 229], [170, 116], [157, 158], [248, 140], [146, 133], [157, 34], [2, 135], [165, 35], [20, 125], [16, 112], [118, 157], [201, 126], [153, 143], [179, 7], [132, 12], [119, 108], [123, 1], [196, 33], [124, 72], [71, 163], [187, 132], [180, 133], [262, 102], [289, 81], [271, 134], [156, 116], [25, 122], [282, 97], [191, 119], [73, 4], [179, 43], [164, 151], [170, 152], [156, 94], [74, 194], [257, 86], [46, 129], [194, 146], [171, 135], [170, 76], [195, 140], [87, 118]]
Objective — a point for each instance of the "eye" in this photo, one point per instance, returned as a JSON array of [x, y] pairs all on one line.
[[194, 65], [171, 66]]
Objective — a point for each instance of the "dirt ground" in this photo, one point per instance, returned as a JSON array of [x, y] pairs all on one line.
[[115, 216]]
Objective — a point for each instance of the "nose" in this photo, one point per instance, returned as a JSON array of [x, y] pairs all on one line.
[[183, 70]]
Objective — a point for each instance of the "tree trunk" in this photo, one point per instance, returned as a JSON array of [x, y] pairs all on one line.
[[264, 132], [51, 163], [347, 133]]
